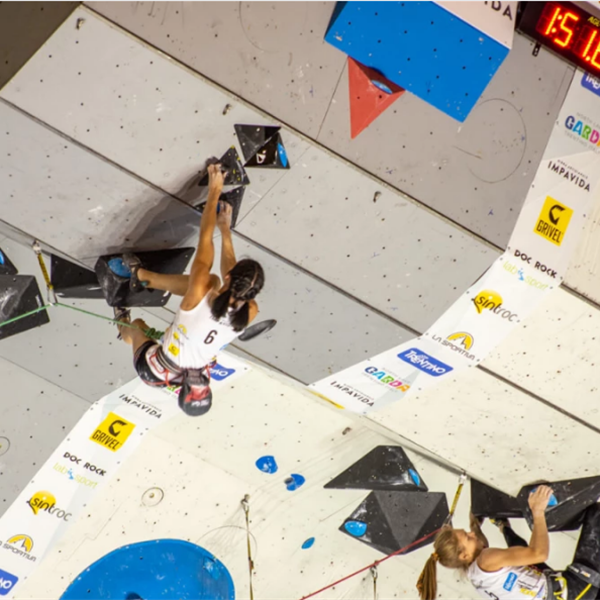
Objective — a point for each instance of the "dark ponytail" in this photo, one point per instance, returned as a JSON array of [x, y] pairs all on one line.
[[246, 281]]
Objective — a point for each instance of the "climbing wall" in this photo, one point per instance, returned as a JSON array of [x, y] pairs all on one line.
[[365, 243]]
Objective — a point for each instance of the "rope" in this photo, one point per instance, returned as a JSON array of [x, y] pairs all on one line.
[[375, 564], [27, 314], [246, 507]]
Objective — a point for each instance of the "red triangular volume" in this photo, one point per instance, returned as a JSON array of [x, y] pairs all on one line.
[[370, 95]]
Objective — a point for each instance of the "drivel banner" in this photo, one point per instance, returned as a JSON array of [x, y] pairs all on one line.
[[534, 264], [105, 436]]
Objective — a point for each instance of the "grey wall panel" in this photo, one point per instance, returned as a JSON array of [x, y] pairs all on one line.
[[270, 53], [477, 173], [77, 202], [319, 331], [36, 416], [77, 352], [391, 254], [24, 27]]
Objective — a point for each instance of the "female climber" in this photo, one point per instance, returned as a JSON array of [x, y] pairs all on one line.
[[212, 313], [519, 570]]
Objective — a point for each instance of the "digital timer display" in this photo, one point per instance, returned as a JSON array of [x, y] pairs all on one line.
[[566, 29]]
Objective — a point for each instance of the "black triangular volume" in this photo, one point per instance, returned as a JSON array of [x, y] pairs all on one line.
[[253, 137], [6, 266], [369, 517], [572, 497], [383, 468], [116, 288], [73, 281], [487, 501], [272, 155], [413, 516], [20, 294], [231, 162], [234, 198]]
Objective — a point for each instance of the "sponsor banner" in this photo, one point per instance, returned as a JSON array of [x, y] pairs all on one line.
[[105, 436], [534, 264]]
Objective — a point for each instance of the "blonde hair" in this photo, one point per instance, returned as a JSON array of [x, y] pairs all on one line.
[[447, 550]]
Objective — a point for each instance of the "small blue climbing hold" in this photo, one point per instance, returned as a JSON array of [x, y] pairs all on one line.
[[552, 502], [294, 482], [380, 85], [267, 464], [1, 258], [118, 267], [308, 543], [282, 155], [415, 476], [355, 528]]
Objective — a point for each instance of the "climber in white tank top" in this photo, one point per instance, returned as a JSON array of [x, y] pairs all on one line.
[[518, 572], [212, 313]]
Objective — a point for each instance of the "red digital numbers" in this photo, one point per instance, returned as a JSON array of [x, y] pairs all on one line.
[[566, 28]]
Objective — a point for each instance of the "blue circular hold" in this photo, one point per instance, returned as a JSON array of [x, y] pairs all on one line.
[[308, 543], [380, 85], [118, 267], [154, 570], [355, 528], [415, 476], [294, 482], [267, 464]]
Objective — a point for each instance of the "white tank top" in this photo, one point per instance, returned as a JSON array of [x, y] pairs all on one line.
[[195, 337], [509, 583]]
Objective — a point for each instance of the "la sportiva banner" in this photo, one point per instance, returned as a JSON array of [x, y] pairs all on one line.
[[534, 264], [87, 459]]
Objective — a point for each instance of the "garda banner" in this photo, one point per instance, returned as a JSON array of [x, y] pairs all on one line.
[[105, 436], [534, 264]]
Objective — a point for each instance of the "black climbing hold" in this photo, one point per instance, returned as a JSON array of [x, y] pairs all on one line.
[[257, 329], [6, 266], [20, 294], [232, 164], [395, 520], [487, 501], [253, 137], [116, 289], [271, 155], [73, 281], [234, 198], [383, 468], [573, 496]]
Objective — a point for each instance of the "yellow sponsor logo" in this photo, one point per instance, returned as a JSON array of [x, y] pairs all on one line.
[[553, 221], [24, 541], [113, 432], [465, 339], [173, 349], [492, 301], [41, 501]]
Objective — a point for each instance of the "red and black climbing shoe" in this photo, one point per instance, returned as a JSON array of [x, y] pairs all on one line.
[[123, 315], [134, 264]]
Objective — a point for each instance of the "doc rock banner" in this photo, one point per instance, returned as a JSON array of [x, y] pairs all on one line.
[[103, 439], [533, 265]]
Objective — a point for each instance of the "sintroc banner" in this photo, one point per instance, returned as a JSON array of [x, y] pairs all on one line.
[[533, 265]]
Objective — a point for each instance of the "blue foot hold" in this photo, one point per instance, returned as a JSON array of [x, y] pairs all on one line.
[[355, 528]]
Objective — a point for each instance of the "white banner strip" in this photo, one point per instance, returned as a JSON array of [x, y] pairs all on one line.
[[105, 436], [538, 254]]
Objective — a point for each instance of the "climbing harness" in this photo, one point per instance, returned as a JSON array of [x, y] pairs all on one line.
[[246, 507], [151, 333], [374, 565]]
